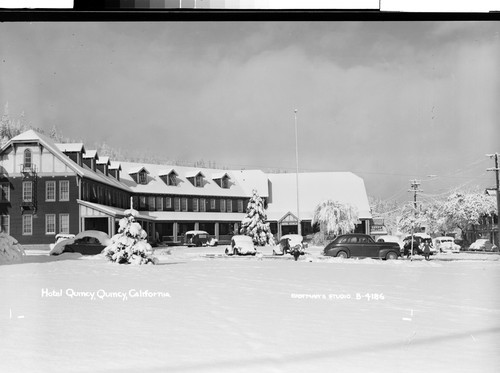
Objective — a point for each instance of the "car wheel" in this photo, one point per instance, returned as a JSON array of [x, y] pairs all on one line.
[[342, 254], [391, 256]]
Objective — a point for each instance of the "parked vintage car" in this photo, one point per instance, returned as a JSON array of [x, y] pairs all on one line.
[[87, 243], [446, 245], [483, 244], [418, 239], [199, 238], [61, 237], [241, 245], [363, 246], [291, 244]]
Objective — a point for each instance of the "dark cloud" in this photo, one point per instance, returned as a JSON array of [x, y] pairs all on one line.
[[384, 99]]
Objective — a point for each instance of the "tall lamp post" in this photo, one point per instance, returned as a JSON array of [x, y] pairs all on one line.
[[299, 228]]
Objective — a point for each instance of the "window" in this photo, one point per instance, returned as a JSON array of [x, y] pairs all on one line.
[[159, 203], [171, 180], [196, 203], [224, 182], [50, 224], [64, 190], [50, 191], [198, 181], [212, 204], [168, 202], [177, 204], [4, 223], [27, 191], [143, 177], [184, 204], [203, 205], [64, 223], [222, 205], [151, 203], [5, 190], [240, 205], [27, 225], [229, 205], [142, 202], [27, 158]]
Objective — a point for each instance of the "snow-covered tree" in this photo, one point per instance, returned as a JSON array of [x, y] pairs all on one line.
[[10, 250], [254, 223], [411, 219], [335, 218], [130, 246], [9, 127], [462, 210]]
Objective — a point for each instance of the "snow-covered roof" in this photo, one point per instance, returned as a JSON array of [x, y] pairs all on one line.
[[243, 182], [219, 175], [136, 169], [91, 154], [315, 188], [167, 171], [113, 165], [194, 173], [33, 136], [104, 160], [71, 147]]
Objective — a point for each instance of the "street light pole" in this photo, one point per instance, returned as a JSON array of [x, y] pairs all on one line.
[[299, 228]]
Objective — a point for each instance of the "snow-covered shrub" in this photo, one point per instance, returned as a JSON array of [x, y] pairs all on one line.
[[10, 250], [254, 223], [129, 245]]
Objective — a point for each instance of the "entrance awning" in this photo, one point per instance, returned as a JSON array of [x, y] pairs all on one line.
[[91, 209]]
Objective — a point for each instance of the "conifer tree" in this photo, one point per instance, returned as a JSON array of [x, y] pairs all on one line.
[[254, 224]]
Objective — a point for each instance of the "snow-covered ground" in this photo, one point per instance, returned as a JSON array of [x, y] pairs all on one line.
[[201, 312]]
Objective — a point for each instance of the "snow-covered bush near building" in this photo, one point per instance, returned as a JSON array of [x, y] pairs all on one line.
[[130, 246], [254, 223], [10, 250]]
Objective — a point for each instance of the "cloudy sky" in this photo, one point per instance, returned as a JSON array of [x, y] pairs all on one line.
[[389, 101]]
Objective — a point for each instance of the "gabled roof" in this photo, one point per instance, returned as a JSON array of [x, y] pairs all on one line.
[[83, 171], [104, 160], [71, 147], [167, 172], [219, 175], [194, 173], [115, 166], [91, 154], [137, 169]]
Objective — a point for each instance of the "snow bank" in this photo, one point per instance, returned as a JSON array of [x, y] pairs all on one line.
[[10, 250]]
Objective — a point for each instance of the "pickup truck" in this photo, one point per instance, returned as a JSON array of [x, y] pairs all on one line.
[[362, 246]]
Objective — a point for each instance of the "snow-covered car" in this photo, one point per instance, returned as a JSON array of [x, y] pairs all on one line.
[[483, 244], [241, 245], [199, 238], [388, 238], [291, 244], [61, 237], [87, 243], [446, 245]]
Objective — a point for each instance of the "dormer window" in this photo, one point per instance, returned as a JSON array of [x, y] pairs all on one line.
[[169, 177], [196, 178], [143, 177], [222, 180], [140, 175]]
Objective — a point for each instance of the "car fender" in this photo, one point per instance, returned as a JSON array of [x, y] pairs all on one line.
[[382, 253], [341, 248]]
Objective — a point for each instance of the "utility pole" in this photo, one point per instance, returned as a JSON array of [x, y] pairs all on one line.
[[414, 185], [496, 169]]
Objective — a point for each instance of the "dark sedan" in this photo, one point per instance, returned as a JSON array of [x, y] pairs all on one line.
[[362, 246]]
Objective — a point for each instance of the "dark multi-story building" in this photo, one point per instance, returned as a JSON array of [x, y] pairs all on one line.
[[50, 188]]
